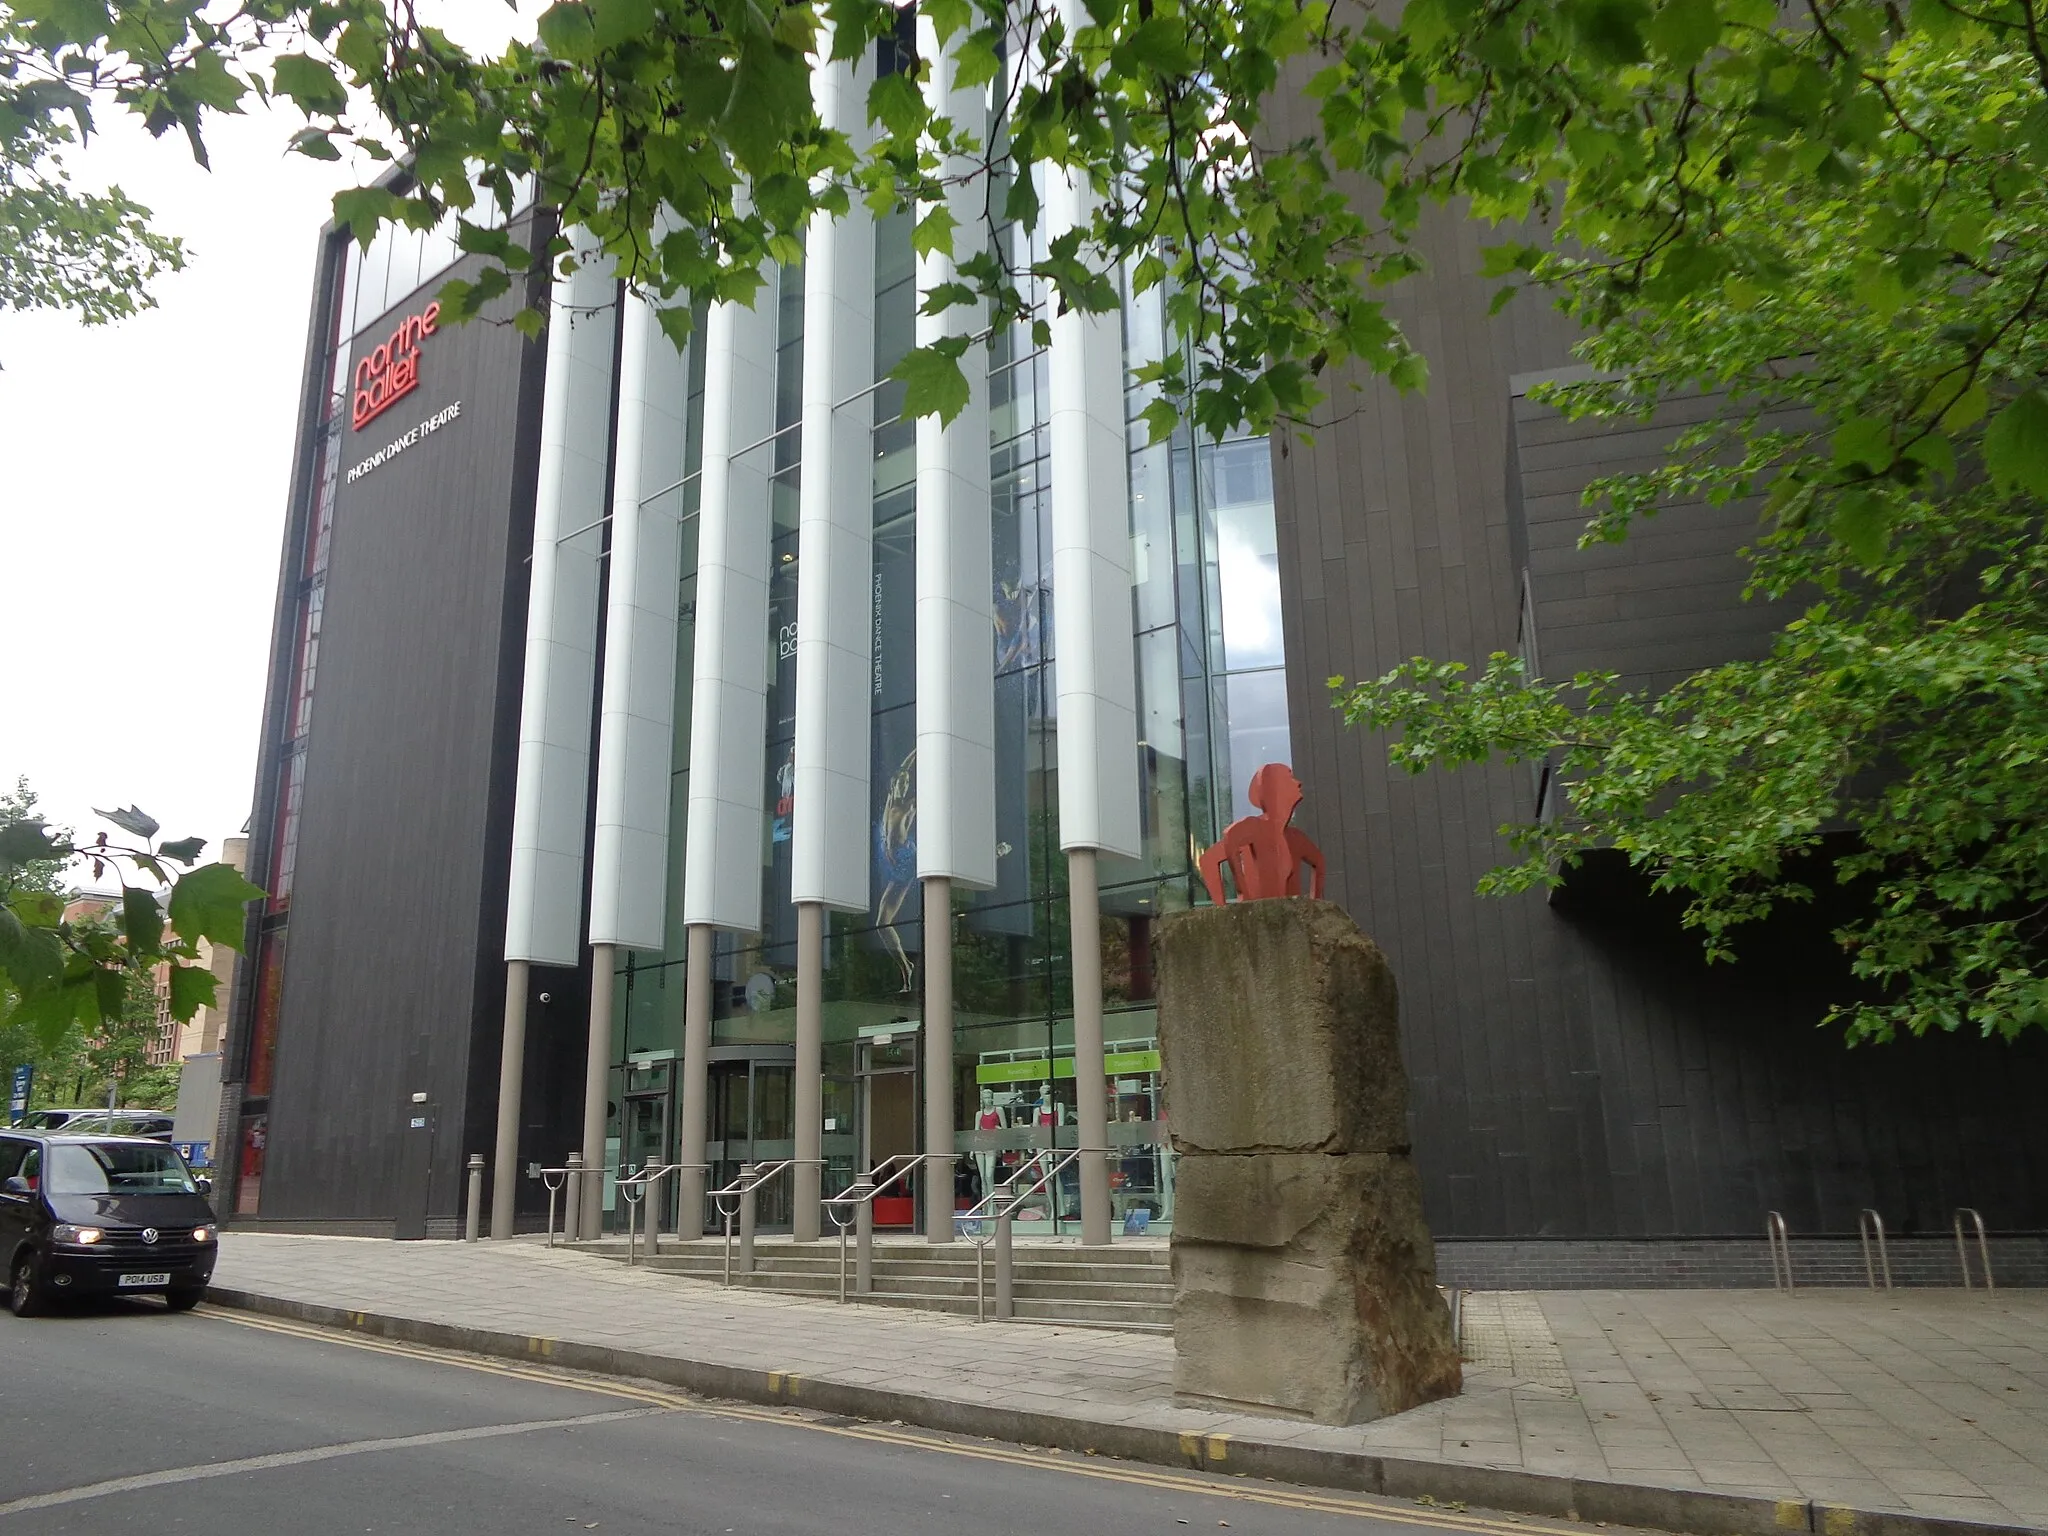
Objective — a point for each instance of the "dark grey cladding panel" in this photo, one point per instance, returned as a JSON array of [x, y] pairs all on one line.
[[1572, 1073], [386, 983], [1665, 601]]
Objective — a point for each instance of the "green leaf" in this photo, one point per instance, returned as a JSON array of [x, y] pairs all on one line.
[[1967, 409], [675, 321], [1879, 287], [28, 842], [1409, 373], [131, 819], [934, 232], [894, 102], [209, 903], [361, 209], [185, 850], [1159, 44], [31, 956], [1610, 30], [933, 383], [1160, 418], [616, 21], [206, 80], [311, 84], [1861, 522], [192, 987], [142, 920], [975, 61], [947, 16], [1864, 440], [568, 31], [314, 144], [1683, 30], [2016, 445]]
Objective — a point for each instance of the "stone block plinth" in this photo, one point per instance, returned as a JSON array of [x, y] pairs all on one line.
[[1304, 1275]]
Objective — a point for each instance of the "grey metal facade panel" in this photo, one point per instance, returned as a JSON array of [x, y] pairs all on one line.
[[387, 981], [1577, 1070]]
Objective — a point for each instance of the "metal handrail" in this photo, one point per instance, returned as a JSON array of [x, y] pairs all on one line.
[[858, 1199], [1867, 1222], [1001, 1204], [555, 1179], [634, 1190], [1781, 1250], [1983, 1247], [741, 1191]]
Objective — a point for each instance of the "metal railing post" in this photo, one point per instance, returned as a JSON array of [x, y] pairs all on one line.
[[1006, 1301], [1867, 1222], [747, 1206], [1781, 1251], [864, 1241], [553, 1178], [473, 1214], [1983, 1247], [572, 1198]]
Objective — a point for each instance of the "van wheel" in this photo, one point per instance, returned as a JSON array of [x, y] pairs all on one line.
[[184, 1300], [26, 1297]]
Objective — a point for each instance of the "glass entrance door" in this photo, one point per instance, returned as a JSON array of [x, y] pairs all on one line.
[[889, 1122], [751, 1122], [645, 1142]]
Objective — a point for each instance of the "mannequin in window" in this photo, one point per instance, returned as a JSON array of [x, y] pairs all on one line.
[[987, 1119]]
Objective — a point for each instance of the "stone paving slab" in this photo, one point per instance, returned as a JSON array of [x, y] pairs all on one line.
[[1843, 1413]]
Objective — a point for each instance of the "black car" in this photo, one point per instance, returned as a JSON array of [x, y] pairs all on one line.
[[101, 1216], [148, 1123]]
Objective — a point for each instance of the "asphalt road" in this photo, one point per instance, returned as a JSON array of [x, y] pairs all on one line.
[[127, 1418]]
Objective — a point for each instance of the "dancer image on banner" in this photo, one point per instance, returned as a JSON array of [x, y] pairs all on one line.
[[896, 865]]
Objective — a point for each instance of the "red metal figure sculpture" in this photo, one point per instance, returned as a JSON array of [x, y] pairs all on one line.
[[1264, 853]]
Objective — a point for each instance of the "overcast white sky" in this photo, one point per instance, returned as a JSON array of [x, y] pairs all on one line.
[[144, 468]]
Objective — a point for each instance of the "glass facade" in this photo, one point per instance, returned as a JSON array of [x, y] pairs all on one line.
[[1206, 642]]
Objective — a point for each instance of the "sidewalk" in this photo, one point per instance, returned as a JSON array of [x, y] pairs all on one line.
[[1844, 1413]]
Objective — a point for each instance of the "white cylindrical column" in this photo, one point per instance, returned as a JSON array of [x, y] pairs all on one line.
[[1093, 652], [636, 723], [834, 606], [545, 894], [956, 816], [636, 730], [729, 679], [729, 696]]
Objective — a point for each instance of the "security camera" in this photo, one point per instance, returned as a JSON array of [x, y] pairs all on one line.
[[547, 997]]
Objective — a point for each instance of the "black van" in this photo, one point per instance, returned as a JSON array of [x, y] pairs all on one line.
[[101, 1216]]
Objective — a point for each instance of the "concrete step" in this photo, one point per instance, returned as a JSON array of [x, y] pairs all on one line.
[[1153, 1255], [827, 1264], [1120, 1287], [1035, 1287]]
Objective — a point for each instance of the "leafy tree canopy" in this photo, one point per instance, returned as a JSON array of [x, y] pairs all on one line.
[[65, 971], [1829, 205]]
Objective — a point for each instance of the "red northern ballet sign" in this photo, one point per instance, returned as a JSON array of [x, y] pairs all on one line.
[[392, 370]]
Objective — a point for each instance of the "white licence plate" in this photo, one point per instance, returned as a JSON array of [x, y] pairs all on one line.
[[159, 1278]]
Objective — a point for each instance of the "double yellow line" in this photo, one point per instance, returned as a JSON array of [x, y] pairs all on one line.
[[1075, 1464]]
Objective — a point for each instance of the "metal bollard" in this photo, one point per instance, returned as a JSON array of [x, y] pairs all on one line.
[[473, 1217], [1006, 1301], [863, 1239], [572, 1198], [746, 1219]]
